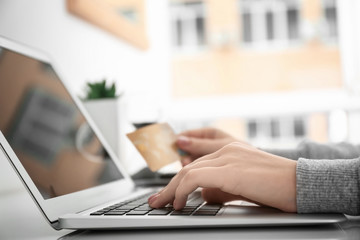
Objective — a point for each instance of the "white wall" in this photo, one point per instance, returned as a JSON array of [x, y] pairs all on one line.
[[85, 52]]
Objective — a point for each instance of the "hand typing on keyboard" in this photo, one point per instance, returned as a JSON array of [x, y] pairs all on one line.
[[236, 171]]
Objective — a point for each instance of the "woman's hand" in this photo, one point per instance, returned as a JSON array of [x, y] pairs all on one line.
[[200, 142], [237, 171]]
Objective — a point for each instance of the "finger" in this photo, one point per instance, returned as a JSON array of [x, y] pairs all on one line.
[[208, 177], [168, 193], [155, 194], [200, 133], [209, 161], [161, 199], [212, 159], [197, 146], [186, 160]]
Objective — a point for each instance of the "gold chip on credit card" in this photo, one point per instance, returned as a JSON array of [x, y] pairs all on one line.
[[156, 144]]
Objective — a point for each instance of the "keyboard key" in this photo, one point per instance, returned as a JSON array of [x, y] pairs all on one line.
[[210, 207], [144, 207], [159, 212], [188, 208], [181, 213], [167, 208], [141, 210], [130, 205], [97, 213], [138, 202], [117, 205], [124, 208], [194, 204], [131, 213], [108, 208], [205, 213], [115, 210]]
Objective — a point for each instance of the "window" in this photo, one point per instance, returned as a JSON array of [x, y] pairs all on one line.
[[247, 33], [299, 127], [269, 21], [252, 129], [270, 25], [279, 129], [292, 16], [275, 128], [330, 19], [188, 25]]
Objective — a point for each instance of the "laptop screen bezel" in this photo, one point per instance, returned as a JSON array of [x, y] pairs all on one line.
[[77, 201]]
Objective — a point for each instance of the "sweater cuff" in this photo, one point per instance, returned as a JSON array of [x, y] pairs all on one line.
[[328, 186]]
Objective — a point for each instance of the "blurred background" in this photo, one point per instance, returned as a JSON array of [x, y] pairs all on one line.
[[280, 68], [271, 72]]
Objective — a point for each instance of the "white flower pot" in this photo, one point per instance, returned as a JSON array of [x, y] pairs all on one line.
[[105, 114]]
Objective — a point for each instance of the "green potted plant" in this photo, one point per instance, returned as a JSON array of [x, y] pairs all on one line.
[[102, 103], [99, 90]]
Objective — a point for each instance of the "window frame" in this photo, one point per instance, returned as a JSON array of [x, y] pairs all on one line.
[[258, 11], [191, 40]]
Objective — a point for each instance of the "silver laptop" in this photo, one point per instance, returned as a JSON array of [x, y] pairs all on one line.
[[71, 173]]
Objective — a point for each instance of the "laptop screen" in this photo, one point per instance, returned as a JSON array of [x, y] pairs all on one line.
[[46, 130]]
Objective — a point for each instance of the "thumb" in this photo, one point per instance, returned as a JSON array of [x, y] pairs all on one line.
[[196, 146]]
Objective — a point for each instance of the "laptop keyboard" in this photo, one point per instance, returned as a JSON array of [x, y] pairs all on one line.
[[140, 207]]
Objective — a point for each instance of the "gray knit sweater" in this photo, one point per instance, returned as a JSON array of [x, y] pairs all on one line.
[[327, 177]]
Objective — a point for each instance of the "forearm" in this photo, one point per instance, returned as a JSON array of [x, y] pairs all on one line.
[[328, 186]]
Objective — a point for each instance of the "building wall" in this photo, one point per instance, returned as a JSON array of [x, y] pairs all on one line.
[[235, 68], [221, 72]]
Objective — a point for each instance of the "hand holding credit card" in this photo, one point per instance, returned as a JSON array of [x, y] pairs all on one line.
[[156, 144]]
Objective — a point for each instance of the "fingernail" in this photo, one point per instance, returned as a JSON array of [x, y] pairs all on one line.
[[176, 205], [183, 140], [153, 198]]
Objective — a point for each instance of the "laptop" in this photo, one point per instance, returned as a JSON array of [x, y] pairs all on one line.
[[73, 176]]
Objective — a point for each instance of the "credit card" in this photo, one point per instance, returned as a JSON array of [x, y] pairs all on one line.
[[156, 144]]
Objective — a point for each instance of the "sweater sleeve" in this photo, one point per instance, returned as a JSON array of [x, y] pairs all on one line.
[[312, 150], [328, 186]]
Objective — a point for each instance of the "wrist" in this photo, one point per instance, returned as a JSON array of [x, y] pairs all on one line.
[[283, 184], [289, 198]]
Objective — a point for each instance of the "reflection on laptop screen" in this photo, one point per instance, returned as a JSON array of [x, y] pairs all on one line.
[[47, 131]]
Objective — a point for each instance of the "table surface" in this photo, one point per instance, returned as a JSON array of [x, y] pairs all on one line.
[[21, 219]]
